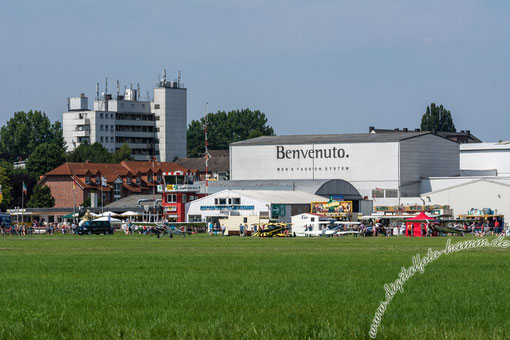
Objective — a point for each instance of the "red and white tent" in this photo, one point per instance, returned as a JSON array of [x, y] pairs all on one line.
[[413, 224]]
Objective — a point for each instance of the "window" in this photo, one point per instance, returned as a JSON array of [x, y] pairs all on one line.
[[195, 218], [116, 191], [97, 180], [156, 106], [223, 201], [87, 180], [101, 128], [377, 193], [236, 200], [111, 115], [106, 127], [138, 180], [391, 193], [101, 115], [128, 180], [171, 198], [102, 139], [149, 178], [107, 139], [159, 178]]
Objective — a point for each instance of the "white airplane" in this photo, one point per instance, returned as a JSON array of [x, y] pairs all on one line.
[[333, 229]]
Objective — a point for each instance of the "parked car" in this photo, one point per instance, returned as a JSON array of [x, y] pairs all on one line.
[[95, 227]]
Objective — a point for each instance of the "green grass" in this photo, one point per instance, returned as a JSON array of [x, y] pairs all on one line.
[[214, 287]]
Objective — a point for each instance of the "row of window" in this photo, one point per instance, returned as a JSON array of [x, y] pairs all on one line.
[[105, 127], [106, 139], [130, 128], [229, 201], [381, 193], [134, 116], [135, 140], [129, 180], [105, 115]]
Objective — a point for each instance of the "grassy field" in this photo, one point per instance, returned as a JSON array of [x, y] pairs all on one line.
[[218, 287]]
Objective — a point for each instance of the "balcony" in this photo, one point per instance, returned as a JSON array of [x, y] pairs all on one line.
[[82, 121]]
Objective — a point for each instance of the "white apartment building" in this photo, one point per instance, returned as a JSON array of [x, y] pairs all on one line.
[[150, 128]]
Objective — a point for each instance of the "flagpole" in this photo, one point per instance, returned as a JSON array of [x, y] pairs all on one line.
[[102, 203], [22, 201], [153, 191], [74, 196]]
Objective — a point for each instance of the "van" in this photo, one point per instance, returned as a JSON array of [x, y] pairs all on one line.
[[95, 227]]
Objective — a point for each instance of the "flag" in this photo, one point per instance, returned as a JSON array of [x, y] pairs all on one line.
[[25, 190], [103, 181]]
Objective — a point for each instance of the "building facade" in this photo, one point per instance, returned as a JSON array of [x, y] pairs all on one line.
[[150, 128], [486, 157], [97, 184], [381, 166]]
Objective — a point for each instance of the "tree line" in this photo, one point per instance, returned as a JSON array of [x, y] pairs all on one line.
[[31, 137]]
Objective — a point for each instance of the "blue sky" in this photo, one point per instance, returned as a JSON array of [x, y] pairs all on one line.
[[311, 66]]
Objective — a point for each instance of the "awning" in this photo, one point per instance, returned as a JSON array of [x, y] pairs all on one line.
[[71, 215]]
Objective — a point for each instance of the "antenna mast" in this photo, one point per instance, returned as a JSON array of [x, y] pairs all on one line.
[[206, 152]]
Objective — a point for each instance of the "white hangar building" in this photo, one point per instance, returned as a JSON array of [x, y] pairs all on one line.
[[385, 167], [491, 158]]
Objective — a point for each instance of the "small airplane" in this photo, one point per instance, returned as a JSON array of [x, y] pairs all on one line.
[[333, 229], [272, 229], [172, 228]]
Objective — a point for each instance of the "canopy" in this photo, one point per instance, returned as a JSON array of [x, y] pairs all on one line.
[[111, 219], [108, 213], [129, 213], [414, 225], [71, 215], [421, 217]]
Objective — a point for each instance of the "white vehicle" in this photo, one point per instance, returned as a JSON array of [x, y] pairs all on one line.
[[332, 229]]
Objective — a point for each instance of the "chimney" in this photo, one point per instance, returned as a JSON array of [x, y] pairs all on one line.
[[371, 129]]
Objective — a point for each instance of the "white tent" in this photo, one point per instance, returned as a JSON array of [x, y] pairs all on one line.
[[108, 213], [129, 213], [111, 219]]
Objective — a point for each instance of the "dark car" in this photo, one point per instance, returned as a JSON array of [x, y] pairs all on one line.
[[95, 227]]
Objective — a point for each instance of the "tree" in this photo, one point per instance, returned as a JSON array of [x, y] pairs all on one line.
[[45, 158], [95, 153], [19, 176], [6, 189], [437, 118], [122, 154], [225, 128], [41, 198], [25, 131]]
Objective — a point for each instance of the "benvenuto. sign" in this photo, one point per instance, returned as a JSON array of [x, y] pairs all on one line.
[[334, 152]]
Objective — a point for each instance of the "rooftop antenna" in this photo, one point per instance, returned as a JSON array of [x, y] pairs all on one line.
[[178, 79], [118, 89], [138, 90], [148, 96], [97, 90], [106, 86], [131, 86], [164, 77]]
